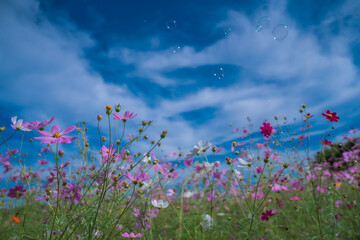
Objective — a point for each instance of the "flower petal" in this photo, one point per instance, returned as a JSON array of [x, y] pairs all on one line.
[[55, 129], [68, 130]]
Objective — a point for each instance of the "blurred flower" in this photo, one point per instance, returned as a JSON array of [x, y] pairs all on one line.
[[15, 219], [159, 203], [37, 124], [331, 116], [326, 142], [246, 163], [265, 216], [131, 235], [295, 198], [208, 221], [16, 191], [188, 162]]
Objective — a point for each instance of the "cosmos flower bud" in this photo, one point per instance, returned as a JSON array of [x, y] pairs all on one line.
[[146, 137], [127, 153], [286, 165], [144, 123], [99, 117], [86, 144], [163, 134], [303, 106], [108, 109], [228, 160], [115, 178], [117, 108], [214, 148], [61, 153], [300, 110], [159, 144], [39, 155], [266, 160], [155, 161], [236, 152], [152, 142], [118, 142], [180, 154], [233, 144], [104, 138], [171, 170], [31, 140], [276, 117], [141, 130]]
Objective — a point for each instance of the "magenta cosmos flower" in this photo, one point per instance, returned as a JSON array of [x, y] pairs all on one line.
[[16, 191], [331, 116], [37, 124], [56, 136], [131, 235], [126, 116], [266, 129]]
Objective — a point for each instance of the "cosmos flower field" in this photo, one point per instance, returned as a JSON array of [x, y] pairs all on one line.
[[273, 188]]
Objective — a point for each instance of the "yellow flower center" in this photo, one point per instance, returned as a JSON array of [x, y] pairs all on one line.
[[20, 127], [56, 135], [329, 115], [132, 235], [338, 184], [108, 151]]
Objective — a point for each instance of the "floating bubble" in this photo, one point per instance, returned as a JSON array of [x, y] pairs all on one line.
[[219, 73], [227, 31], [171, 25], [264, 22], [280, 32], [258, 28], [176, 49]]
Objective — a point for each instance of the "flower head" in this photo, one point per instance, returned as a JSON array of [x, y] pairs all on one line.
[[266, 129], [131, 235], [208, 221], [15, 219], [159, 203], [56, 136], [265, 216], [37, 124], [126, 116], [331, 116], [18, 125], [16, 191]]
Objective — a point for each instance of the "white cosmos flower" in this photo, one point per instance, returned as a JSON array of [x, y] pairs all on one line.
[[160, 203], [146, 160], [18, 124], [208, 221], [246, 163], [188, 194], [198, 148]]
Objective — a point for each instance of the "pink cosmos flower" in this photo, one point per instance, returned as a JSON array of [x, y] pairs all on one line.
[[43, 161], [331, 116], [45, 149], [266, 129], [321, 189], [16, 191], [37, 124], [259, 170], [296, 198], [354, 130], [326, 142], [55, 136], [265, 216], [126, 116], [131, 235], [188, 162], [219, 149]]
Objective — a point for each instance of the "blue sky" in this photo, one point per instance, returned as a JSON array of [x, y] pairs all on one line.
[[71, 58]]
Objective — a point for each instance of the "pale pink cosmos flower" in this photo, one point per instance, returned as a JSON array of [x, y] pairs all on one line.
[[18, 125], [131, 235], [296, 198], [56, 136], [37, 124], [126, 116]]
